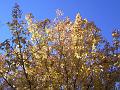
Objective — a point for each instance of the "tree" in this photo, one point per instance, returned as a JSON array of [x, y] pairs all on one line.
[[59, 54], [16, 53]]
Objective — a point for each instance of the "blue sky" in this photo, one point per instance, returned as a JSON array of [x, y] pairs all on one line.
[[105, 13]]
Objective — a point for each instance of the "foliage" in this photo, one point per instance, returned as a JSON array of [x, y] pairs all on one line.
[[58, 54]]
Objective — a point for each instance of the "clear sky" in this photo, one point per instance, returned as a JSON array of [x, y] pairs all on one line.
[[105, 13]]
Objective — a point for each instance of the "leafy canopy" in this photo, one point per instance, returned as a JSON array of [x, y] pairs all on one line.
[[58, 54]]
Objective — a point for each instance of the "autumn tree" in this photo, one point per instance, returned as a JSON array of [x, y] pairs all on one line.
[[16, 54], [58, 54]]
